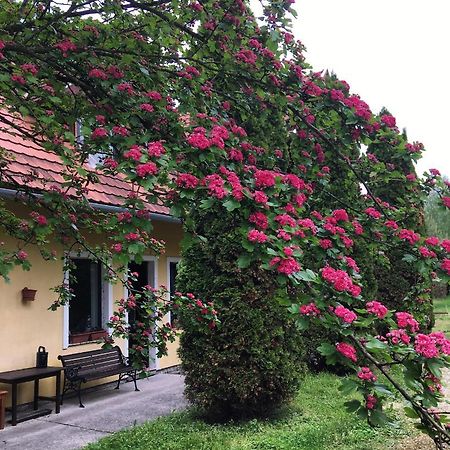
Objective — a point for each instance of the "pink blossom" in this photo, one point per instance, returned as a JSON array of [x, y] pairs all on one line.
[[309, 310], [325, 243], [288, 266], [198, 140], [66, 46], [257, 236], [426, 346], [22, 255], [116, 248], [372, 212], [445, 244], [153, 95], [264, 178], [409, 235], [126, 87], [351, 263], [405, 320], [98, 73], [155, 149], [445, 266], [446, 201], [147, 107], [432, 240], [187, 180], [259, 219], [19, 79], [134, 153], [347, 350], [397, 336], [388, 120], [391, 224], [99, 133], [426, 252], [345, 314], [367, 375], [371, 401], [260, 197], [148, 168], [377, 308], [29, 68], [340, 215]]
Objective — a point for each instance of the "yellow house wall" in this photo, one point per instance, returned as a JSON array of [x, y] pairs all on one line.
[[25, 325]]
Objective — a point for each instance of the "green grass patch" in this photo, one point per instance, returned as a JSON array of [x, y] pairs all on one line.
[[441, 308], [315, 420]]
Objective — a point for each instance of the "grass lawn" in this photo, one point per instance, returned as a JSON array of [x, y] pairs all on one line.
[[316, 420], [442, 314]]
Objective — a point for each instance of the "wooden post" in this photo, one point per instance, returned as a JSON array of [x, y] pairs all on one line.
[[3, 395]]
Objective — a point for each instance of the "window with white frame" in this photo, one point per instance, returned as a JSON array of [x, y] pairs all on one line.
[[88, 310]]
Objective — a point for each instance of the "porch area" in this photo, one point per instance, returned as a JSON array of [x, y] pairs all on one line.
[[107, 411]]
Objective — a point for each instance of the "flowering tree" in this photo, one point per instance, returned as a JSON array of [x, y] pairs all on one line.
[[200, 106]]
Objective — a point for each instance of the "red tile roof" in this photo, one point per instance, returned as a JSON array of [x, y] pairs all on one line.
[[28, 163]]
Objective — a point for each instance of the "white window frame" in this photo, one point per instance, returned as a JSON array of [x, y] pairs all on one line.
[[154, 361], [106, 299]]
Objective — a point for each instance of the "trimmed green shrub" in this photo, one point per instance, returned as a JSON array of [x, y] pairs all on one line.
[[253, 361]]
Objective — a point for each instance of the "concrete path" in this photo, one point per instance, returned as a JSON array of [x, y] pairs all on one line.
[[107, 411]]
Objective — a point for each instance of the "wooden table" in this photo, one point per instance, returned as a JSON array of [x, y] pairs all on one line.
[[15, 377]]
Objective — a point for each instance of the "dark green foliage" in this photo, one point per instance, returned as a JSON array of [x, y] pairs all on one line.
[[252, 363]]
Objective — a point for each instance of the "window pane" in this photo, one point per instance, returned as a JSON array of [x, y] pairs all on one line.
[[172, 289], [85, 307]]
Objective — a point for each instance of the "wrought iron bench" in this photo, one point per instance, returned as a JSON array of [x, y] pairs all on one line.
[[83, 367]]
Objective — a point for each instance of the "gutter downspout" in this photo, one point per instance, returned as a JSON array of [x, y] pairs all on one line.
[[12, 194]]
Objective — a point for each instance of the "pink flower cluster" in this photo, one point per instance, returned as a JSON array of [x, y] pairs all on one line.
[[347, 350], [377, 308], [340, 280], [367, 375], [309, 310], [409, 236], [148, 168], [215, 185], [371, 401], [286, 266], [155, 149], [374, 213], [445, 266], [345, 314], [406, 320], [397, 336], [257, 236], [259, 219], [427, 345], [264, 178], [187, 180]]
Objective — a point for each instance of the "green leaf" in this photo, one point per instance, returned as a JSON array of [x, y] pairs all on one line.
[[302, 324], [375, 345], [207, 203], [435, 365], [378, 418], [244, 261], [326, 349], [352, 406], [348, 386], [410, 412], [231, 205], [382, 389], [307, 275]]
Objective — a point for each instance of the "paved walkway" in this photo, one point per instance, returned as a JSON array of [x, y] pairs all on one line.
[[107, 411]]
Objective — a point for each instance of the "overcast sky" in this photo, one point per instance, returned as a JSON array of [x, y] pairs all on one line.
[[393, 53]]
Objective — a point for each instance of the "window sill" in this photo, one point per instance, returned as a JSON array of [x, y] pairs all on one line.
[[87, 337]]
